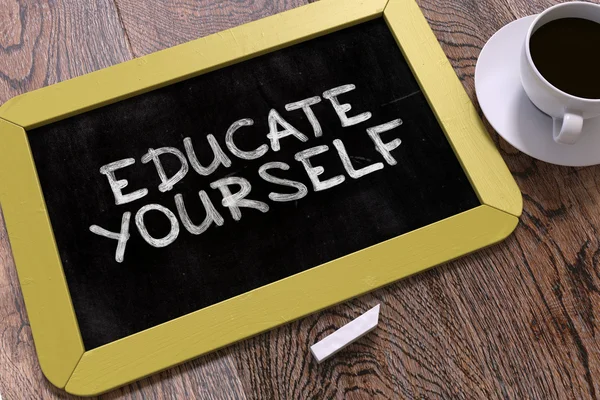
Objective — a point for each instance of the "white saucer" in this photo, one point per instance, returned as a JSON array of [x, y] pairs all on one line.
[[511, 113]]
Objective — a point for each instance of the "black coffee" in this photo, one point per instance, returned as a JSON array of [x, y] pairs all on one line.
[[567, 53]]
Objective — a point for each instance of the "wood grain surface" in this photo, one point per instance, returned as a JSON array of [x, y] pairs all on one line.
[[514, 321], [152, 25]]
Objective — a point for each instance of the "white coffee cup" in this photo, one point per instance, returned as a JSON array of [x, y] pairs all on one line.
[[567, 111]]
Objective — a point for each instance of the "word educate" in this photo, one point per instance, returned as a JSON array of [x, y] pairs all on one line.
[[279, 128]]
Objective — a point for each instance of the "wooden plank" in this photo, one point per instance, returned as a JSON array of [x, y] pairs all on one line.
[[45, 42], [155, 25], [211, 377]]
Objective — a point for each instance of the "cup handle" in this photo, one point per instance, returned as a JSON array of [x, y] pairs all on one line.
[[568, 129]]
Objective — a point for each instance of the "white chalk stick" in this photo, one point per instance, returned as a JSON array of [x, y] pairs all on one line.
[[347, 334]]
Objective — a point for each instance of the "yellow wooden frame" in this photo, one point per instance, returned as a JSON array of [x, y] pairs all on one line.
[[62, 356]]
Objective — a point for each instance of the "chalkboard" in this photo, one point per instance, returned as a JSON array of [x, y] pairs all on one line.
[[387, 169]]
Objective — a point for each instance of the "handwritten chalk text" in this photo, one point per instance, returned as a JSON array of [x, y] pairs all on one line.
[[236, 192]]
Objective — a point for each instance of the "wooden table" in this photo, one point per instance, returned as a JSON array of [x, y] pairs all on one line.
[[517, 320]]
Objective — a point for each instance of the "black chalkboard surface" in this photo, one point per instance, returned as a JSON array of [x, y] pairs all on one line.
[[390, 170]]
